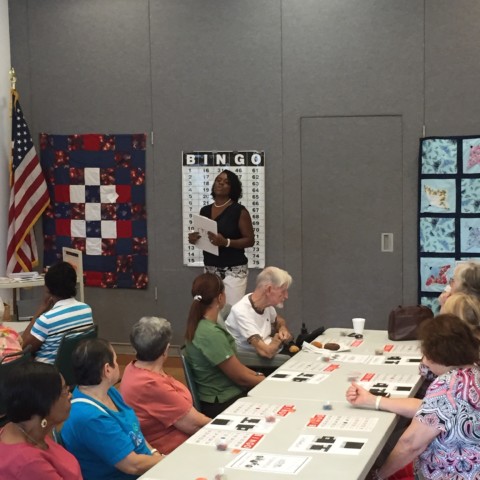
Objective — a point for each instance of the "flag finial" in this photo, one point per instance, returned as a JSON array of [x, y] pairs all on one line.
[[13, 78]]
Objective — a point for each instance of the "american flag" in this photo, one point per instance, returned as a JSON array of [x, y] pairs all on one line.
[[28, 195]]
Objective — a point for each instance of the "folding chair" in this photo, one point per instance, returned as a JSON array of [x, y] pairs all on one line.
[[68, 343], [190, 379]]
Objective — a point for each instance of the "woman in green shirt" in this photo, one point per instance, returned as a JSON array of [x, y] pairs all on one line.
[[220, 377]]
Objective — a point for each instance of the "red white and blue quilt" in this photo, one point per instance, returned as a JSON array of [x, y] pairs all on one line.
[[97, 205]]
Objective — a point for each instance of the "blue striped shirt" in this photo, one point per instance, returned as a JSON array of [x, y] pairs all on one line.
[[50, 326]]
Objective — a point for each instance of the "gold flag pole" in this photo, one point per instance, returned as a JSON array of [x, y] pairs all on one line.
[[13, 89], [13, 78], [13, 101]]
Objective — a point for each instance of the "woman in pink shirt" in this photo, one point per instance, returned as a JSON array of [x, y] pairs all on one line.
[[162, 404], [36, 400]]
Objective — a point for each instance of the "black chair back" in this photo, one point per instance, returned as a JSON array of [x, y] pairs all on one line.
[[68, 343], [7, 363], [190, 379]]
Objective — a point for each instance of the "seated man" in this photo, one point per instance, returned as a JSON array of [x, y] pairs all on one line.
[[58, 314], [254, 323]]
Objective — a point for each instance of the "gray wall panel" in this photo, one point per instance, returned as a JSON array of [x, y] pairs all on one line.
[[18, 17], [346, 205], [216, 83], [452, 35], [350, 58], [90, 64]]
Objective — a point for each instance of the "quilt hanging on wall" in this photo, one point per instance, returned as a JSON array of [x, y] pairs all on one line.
[[97, 191], [449, 211]]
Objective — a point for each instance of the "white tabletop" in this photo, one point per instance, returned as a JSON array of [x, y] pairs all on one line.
[[17, 326], [326, 376], [361, 432], [9, 283]]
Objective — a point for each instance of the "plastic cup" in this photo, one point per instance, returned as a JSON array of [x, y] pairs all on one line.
[[358, 325]]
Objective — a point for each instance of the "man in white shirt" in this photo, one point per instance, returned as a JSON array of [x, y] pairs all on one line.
[[253, 321]]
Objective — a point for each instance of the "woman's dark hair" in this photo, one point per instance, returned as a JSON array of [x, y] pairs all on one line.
[[448, 341], [30, 389], [150, 337], [235, 186], [61, 280], [205, 289], [88, 360]]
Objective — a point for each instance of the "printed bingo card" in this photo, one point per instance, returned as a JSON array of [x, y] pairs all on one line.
[[199, 170]]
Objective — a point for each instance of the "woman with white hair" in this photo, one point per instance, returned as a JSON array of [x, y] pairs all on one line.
[[466, 279], [163, 404]]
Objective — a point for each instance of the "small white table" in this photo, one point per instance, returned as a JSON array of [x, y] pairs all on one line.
[[16, 285]]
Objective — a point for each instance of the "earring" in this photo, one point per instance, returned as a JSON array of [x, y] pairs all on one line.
[[43, 423]]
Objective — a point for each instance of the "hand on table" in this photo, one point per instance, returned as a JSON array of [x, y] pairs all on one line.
[[359, 397]]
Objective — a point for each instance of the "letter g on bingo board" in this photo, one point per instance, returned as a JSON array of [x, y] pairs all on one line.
[[199, 170]]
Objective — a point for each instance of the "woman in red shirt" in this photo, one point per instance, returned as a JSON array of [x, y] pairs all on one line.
[[37, 400], [163, 404]]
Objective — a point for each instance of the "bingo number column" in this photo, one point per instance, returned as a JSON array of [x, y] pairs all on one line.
[[199, 170]]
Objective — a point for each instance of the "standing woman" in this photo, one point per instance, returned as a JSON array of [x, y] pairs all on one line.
[[219, 375], [235, 234]]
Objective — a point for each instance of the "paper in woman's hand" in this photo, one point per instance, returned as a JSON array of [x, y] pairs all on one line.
[[203, 225]]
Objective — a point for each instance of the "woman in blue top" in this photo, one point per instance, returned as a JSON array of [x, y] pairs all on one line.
[[102, 431]]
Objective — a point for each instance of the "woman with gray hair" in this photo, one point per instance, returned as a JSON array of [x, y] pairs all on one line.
[[162, 404]]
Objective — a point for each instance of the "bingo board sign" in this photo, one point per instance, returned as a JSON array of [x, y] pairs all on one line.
[[199, 170]]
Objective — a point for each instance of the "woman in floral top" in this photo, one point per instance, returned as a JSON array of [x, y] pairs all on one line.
[[444, 435]]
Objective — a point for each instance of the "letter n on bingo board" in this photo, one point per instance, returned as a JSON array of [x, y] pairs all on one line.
[[199, 170]]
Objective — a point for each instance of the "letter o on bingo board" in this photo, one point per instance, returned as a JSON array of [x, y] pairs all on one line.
[[199, 170]]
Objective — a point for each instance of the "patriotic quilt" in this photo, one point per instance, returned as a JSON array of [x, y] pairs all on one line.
[[449, 211], [97, 205]]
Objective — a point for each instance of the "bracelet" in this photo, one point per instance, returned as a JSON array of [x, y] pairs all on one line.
[[153, 451], [228, 243], [377, 402]]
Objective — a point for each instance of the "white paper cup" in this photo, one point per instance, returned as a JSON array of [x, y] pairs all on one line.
[[358, 325]]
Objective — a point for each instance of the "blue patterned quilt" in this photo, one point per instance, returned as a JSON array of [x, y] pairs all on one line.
[[449, 210]]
